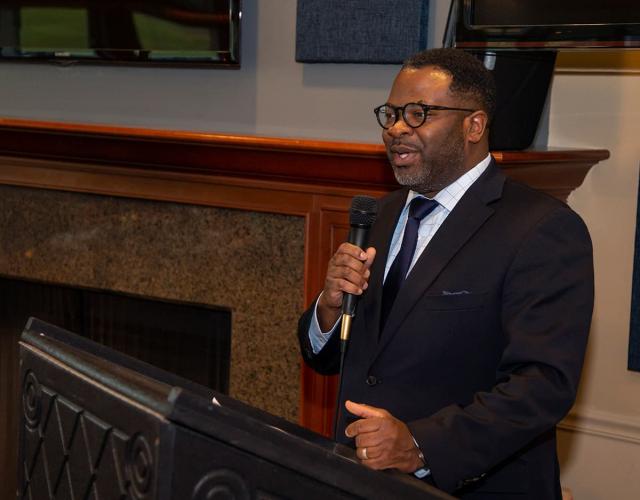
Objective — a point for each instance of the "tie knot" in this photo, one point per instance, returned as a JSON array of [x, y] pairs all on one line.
[[421, 207]]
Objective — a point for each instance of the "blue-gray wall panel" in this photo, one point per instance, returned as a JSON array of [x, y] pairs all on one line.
[[360, 31]]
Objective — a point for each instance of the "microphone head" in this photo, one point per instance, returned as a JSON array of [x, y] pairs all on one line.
[[364, 210]]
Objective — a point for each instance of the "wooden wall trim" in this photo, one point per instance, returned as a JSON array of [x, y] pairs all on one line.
[[309, 178], [307, 161], [294, 160]]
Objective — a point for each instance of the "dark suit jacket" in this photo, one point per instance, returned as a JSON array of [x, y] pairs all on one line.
[[482, 351]]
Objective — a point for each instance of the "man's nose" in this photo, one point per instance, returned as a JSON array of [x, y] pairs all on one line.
[[399, 128]]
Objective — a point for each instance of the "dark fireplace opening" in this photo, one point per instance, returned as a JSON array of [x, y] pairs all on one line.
[[190, 340]]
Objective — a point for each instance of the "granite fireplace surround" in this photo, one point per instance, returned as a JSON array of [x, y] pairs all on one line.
[[249, 262], [247, 223]]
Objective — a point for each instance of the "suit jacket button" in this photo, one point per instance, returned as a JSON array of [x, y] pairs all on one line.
[[371, 380]]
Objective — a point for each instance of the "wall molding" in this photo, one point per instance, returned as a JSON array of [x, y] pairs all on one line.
[[305, 161], [603, 424]]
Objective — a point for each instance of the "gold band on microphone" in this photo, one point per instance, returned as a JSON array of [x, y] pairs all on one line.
[[345, 328]]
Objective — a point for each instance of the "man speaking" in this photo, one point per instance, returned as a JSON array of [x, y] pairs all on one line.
[[476, 295]]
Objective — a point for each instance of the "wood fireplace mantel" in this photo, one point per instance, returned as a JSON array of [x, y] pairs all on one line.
[[309, 178]]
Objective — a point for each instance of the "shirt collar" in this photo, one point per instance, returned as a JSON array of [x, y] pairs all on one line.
[[449, 196]]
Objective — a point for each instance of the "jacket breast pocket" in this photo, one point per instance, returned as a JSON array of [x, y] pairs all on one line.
[[454, 301]]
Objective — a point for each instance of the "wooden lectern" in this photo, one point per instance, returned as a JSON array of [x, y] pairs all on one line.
[[97, 424]]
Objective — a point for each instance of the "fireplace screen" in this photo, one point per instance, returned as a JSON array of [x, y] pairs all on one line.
[[190, 340]]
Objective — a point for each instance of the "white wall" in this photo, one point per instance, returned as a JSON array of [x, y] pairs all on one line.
[[272, 95], [602, 459]]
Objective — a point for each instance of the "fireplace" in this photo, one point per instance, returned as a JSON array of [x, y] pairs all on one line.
[[249, 264]]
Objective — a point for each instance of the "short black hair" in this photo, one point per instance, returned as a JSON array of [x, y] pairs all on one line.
[[469, 77]]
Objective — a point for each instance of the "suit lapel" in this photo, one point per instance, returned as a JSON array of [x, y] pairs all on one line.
[[467, 217]]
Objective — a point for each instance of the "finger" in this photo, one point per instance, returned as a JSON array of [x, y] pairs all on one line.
[[344, 275], [372, 441], [345, 271], [369, 452], [373, 452], [352, 250], [335, 288], [363, 426], [358, 260], [371, 255], [365, 411], [379, 459], [385, 457]]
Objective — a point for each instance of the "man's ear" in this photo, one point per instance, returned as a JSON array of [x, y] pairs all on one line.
[[476, 126]]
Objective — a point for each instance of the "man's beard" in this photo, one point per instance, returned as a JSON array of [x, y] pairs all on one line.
[[436, 172]]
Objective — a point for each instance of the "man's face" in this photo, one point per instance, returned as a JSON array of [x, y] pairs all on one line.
[[430, 157]]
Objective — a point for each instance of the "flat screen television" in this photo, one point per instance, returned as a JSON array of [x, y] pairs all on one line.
[[543, 24], [164, 32]]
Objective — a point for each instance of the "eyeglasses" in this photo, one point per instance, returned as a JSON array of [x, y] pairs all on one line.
[[414, 114]]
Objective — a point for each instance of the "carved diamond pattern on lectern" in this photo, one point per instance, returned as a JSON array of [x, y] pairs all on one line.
[[78, 469], [57, 436], [112, 468], [66, 418], [69, 453], [36, 466]]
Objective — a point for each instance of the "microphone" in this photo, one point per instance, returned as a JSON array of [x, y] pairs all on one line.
[[364, 210]]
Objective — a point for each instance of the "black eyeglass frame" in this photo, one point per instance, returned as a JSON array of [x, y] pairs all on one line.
[[399, 110]]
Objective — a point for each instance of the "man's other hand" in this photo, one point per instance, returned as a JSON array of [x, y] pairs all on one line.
[[382, 441]]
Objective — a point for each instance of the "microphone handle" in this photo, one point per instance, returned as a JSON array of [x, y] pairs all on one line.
[[358, 236]]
